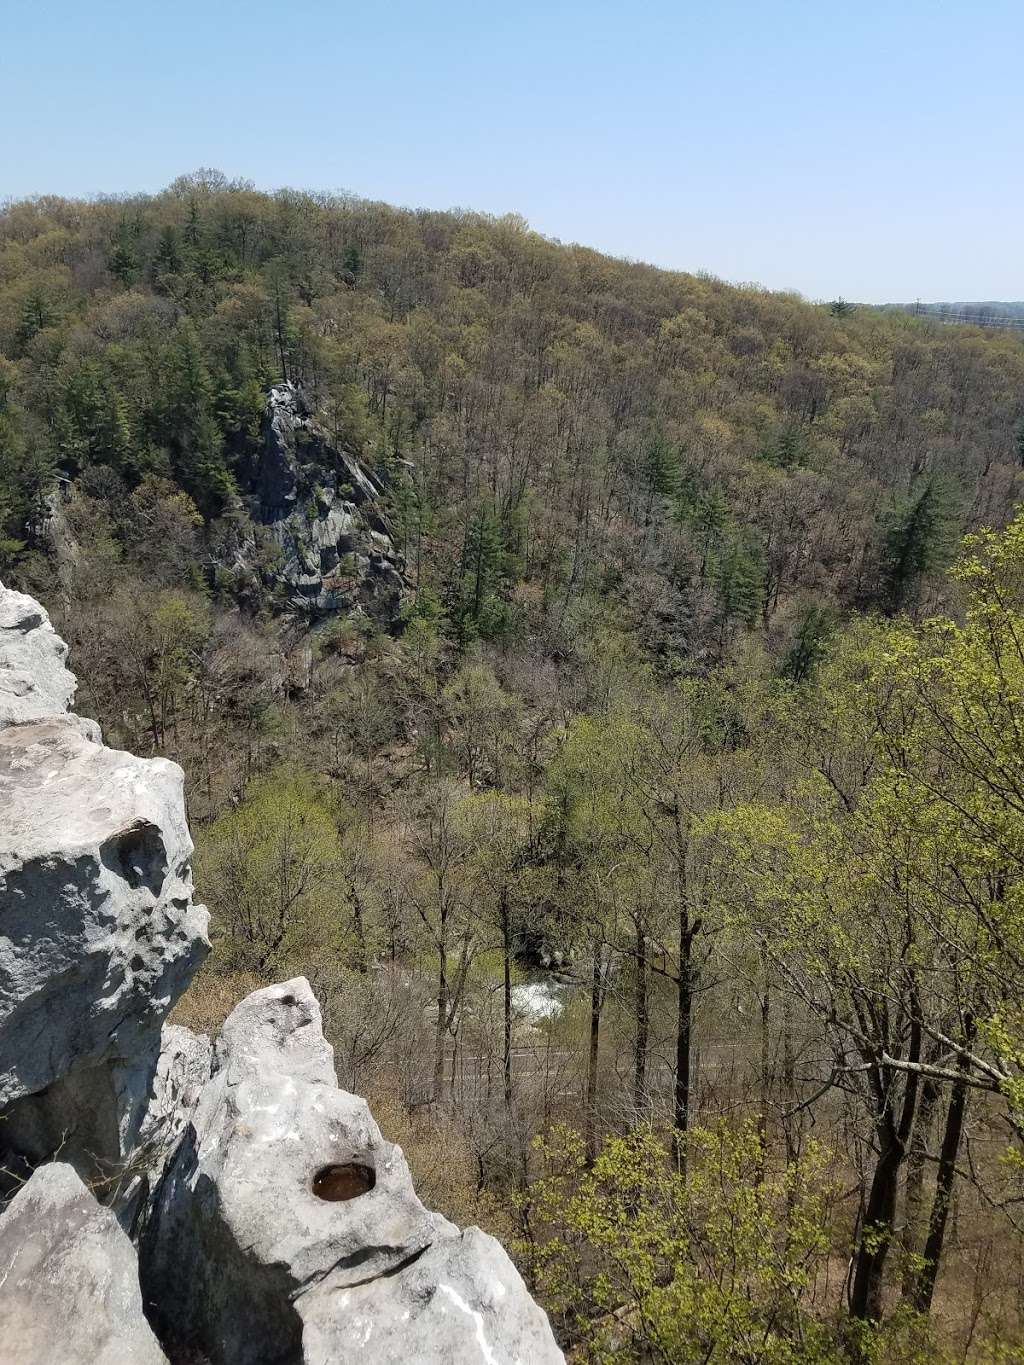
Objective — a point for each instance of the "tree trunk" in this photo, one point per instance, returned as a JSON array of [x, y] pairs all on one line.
[[766, 1076], [876, 1235], [913, 1232], [506, 946], [442, 1018], [684, 1027], [590, 1116], [643, 1026], [790, 1124], [945, 1179], [362, 956], [893, 1140]]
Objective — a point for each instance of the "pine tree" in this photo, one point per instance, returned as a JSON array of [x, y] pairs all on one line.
[[35, 316], [790, 448], [921, 540], [123, 261], [93, 424], [711, 517], [187, 427], [479, 610], [28, 472], [167, 257], [739, 581], [660, 472], [814, 626]]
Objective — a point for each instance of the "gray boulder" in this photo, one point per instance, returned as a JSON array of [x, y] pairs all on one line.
[[98, 932], [462, 1300], [285, 1205], [69, 1284], [34, 681]]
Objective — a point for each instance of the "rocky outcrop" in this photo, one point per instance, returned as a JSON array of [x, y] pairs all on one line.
[[276, 1226], [69, 1285], [286, 1214], [323, 513], [34, 683], [98, 932]]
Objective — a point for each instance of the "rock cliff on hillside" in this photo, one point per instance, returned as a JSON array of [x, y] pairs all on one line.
[[323, 513], [266, 1218]]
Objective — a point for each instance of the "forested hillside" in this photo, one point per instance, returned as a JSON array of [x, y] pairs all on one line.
[[579, 675]]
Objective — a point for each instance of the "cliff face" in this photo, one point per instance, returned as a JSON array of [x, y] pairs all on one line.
[[323, 513], [261, 1209]]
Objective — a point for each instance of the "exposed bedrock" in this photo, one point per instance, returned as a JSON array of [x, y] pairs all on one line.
[[286, 1213], [324, 512], [34, 681], [98, 931]]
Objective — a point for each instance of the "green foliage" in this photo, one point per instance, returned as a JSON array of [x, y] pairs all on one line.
[[737, 573], [36, 315], [661, 467], [478, 610], [815, 626], [548, 401], [184, 423], [270, 869], [635, 1258], [921, 539]]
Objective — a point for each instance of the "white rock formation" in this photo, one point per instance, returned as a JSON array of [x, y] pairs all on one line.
[[98, 932], [286, 1215], [277, 1226], [33, 680], [69, 1284]]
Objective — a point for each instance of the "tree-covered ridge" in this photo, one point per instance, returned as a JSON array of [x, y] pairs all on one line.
[[710, 456]]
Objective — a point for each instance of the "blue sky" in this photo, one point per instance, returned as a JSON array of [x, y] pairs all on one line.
[[868, 149]]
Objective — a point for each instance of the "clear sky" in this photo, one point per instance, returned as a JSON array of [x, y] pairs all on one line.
[[865, 148]]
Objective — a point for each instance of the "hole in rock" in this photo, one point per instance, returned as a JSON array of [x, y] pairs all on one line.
[[343, 1180], [138, 855]]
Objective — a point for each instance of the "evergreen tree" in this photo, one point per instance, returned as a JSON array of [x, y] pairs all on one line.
[[660, 472], [790, 448], [711, 517], [921, 540], [479, 610], [167, 257], [35, 316], [786, 451], [93, 424], [27, 476], [813, 629], [123, 261], [739, 581], [186, 425]]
